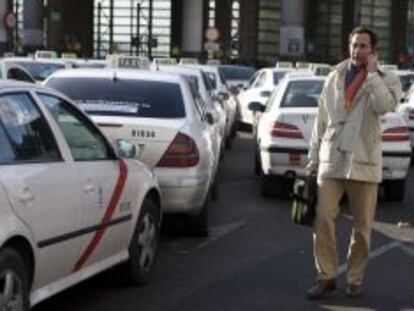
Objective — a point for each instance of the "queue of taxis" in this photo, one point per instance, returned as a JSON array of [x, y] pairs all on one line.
[[166, 118], [221, 93], [285, 128], [197, 78], [72, 204]]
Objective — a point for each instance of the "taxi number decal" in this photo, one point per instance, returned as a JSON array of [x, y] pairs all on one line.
[[143, 133], [116, 195]]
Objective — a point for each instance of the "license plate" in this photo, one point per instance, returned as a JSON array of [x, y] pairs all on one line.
[[294, 159]]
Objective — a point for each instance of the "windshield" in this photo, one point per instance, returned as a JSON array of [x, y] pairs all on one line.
[[406, 81], [302, 94], [40, 70], [123, 97], [237, 72]]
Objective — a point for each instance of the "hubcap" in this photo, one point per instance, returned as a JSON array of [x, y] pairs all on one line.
[[147, 241], [11, 292]]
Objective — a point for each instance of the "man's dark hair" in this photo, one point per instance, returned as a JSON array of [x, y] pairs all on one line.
[[361, 29]]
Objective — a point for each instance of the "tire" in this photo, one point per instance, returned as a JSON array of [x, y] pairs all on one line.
[[257, 163], [144, 244], [13, 269], [198, 224], [394, 190], [268, 184], [214, 188]]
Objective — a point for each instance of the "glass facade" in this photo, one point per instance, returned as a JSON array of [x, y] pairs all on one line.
[[376, 14], [269, 24], [325, 40], [130, 31]]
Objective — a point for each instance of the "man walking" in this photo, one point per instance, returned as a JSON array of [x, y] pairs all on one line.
[[345, 153]]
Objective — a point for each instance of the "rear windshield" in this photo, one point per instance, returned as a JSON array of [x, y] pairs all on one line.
[[123, 97], [40, 70], [237, 72], [302, 94]]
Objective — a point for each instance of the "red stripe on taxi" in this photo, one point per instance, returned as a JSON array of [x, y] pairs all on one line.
[[116, 195]]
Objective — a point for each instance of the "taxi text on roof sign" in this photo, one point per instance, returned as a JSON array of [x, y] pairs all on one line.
[[123, 61], [45, 54]]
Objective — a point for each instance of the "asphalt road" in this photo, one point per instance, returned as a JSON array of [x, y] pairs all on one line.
[[257, 260]]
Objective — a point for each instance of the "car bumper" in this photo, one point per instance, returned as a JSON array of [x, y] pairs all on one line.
[[183, 194], [290, 162]]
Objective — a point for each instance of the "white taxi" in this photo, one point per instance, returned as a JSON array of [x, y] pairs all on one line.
[[71, 205], [162, 115], [259, 89], [285, 128], [199, 80]]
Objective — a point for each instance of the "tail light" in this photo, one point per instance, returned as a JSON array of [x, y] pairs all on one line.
[[399, 133], [285, 130], [182, 152], [411, 114]]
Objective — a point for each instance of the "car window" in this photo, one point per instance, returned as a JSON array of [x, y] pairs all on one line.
[[302, 94], [211, 77], [85, 141], [18, 74], [209, 83], [260, 81], [278, 76], [237, 72], [200, 106], [40, 70], [123, 97], [25, 135]]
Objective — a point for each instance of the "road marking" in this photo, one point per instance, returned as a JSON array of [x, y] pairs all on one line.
[[374, 254], [215, 234]]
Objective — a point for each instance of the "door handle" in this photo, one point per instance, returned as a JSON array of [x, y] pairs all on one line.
[[89, 188], [26, 195]]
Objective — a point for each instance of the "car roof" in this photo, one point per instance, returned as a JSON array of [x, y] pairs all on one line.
[[305, 78], [110, 73]]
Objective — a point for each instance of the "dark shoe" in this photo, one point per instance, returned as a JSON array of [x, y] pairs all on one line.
[[353, 291], [321, 288]]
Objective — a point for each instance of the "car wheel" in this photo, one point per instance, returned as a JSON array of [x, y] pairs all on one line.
[[268, 186], [257, 163], [13, 282], [144, 243], [394, 190], [198, 224]]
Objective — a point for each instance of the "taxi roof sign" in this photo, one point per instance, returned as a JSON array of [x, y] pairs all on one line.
[[125, 61], [189, 61], [69, 56], [45, 54], [165, 61]]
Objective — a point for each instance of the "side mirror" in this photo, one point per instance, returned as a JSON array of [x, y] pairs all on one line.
[[265, 93], [256, 107], [224, 96], [209, 118], [125, 149]]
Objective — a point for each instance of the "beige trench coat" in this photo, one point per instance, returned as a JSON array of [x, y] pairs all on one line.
[[347, 145]]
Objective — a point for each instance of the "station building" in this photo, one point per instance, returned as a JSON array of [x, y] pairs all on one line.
[[244, 30]]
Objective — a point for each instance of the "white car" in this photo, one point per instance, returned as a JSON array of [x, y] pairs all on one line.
[[199, 80], [259, 89], [71, 207], [220, 90], [166, 118], [236, 76], [285, 128]]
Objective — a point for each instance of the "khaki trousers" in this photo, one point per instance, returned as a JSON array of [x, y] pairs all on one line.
[[362, 199]]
